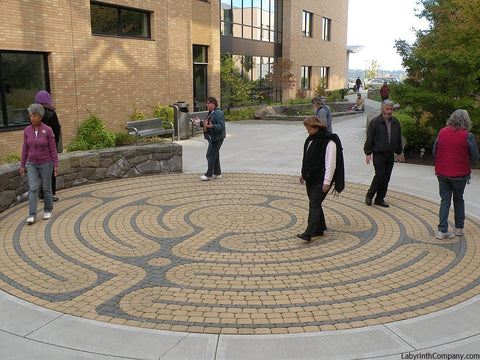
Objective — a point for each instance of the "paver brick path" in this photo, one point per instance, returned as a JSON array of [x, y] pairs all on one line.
[[171, 252]]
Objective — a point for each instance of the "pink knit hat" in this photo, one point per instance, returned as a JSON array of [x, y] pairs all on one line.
[[43, 97]]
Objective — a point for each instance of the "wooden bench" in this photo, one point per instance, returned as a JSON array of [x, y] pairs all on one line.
[[149, 127]]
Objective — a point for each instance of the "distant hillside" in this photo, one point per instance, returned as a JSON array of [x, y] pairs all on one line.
[[354, 73]]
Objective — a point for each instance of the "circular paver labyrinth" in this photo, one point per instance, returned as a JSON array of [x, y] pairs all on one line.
[[171, 252]]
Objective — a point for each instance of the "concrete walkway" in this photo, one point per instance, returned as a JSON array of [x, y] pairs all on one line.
[[255, 151]]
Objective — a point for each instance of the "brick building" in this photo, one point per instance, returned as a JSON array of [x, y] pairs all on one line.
[[113, 57]]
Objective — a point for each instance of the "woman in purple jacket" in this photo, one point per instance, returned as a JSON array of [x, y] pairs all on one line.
[[39, 155]]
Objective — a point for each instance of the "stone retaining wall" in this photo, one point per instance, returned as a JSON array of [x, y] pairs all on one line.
[[85, 167], [336, 106]]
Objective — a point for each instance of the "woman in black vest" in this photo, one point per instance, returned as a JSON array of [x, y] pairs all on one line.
[[322, 166]]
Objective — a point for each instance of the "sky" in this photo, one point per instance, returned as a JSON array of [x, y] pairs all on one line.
[[376, 24]]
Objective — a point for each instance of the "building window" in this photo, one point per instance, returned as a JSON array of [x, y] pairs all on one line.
[[307, 23], [306, 75], [119, 21], [326, 29], [22, 75], [251, 19], [324, 77], [200, 76]]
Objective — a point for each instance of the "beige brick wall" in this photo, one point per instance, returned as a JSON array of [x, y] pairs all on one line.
[[110, 76], [313, 51]]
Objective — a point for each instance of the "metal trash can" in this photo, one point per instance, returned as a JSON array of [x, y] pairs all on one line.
[[181, 120]]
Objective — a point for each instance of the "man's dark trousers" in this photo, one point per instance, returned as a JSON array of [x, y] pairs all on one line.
[[383, 164]]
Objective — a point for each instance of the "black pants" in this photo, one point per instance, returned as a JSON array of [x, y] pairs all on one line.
[[213, 158], [383, 164], [316, 217]]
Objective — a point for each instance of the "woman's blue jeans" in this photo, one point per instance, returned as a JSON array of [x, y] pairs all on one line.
[[213, 158], [36, 174], [449, 188]]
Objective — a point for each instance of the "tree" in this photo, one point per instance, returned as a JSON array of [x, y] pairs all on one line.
[[443, 65], [280, 77], [373, 69], [235, 88]]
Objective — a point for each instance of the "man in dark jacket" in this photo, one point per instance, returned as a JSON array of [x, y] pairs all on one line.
[[384, 138]]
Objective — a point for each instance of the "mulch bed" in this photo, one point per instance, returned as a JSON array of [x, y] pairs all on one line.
[[428, 159]]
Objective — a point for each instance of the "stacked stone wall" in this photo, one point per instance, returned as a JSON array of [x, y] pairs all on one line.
[[85, 167]]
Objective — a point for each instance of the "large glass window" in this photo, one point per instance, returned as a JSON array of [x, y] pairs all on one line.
[[120, 21], [306, 76], [324, 77], [253, 69], [307, 23], [22, 75], [326, 29], [250, 19], [200, 65]]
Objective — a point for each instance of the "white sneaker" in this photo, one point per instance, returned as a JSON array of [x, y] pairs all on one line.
[[217, 176], [30, 220], [459, 231], [47, 215], [205, 178], [445, 235]]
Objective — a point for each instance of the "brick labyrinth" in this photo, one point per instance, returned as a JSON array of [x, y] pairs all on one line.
[[173, 253]]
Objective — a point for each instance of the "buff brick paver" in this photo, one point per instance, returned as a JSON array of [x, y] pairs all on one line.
[[224, 259]]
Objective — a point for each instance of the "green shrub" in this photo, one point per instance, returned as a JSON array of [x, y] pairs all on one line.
[[417, 134], [320, 89], [11, 158], [164, 112], [78, 145], [122, 139], [299, 101], [92, 135], [138, 115], [245, 113], [334, 95]]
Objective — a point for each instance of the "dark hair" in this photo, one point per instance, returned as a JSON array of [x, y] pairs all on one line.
[[212, 100]]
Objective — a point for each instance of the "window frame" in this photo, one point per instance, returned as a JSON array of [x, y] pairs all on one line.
[[147, 24], [306, 77], [307, 23], [253, 20], [327, 29], [7, 124], [325, 76]]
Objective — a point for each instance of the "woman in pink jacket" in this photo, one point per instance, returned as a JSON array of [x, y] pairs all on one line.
[[39, 155]]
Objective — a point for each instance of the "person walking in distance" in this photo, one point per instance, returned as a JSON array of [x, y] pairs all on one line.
[[322, 111], [384, 91], [384, 138]]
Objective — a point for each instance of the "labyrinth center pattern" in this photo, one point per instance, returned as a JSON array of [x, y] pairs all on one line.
[[170, 252]]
